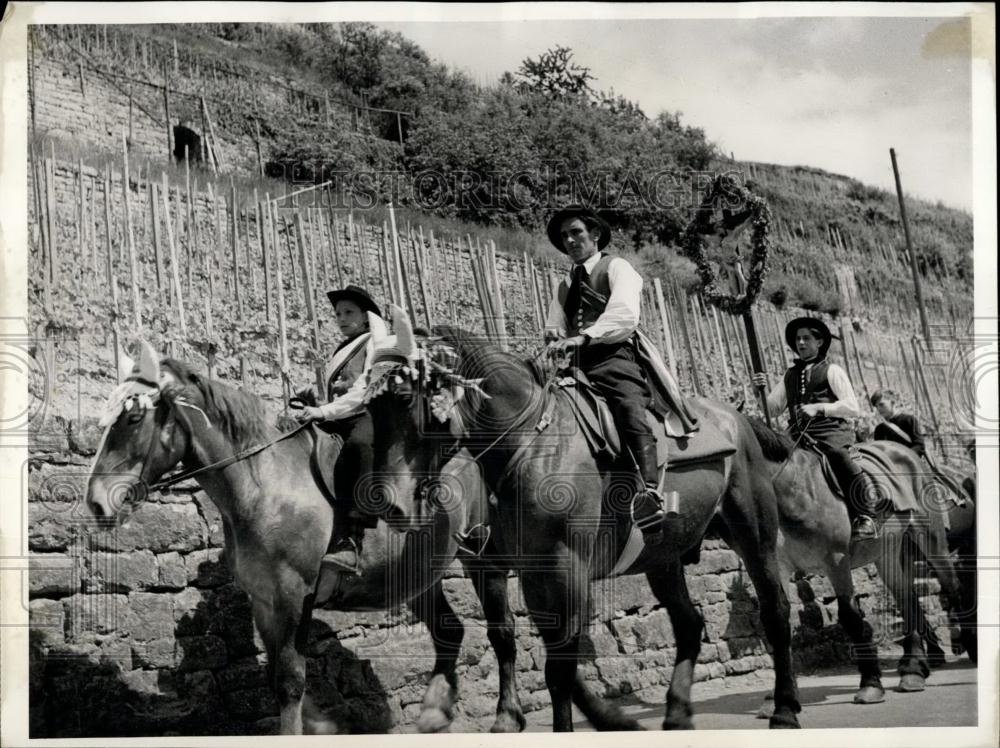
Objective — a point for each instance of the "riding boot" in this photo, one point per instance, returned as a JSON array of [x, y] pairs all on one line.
[[864, 500], [647, 504], [345, 546]]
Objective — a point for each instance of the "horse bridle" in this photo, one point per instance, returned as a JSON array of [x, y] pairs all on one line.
[[217, 465]]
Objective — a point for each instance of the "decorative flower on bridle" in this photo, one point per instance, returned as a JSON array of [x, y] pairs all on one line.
[[139, 388], [400, 363]]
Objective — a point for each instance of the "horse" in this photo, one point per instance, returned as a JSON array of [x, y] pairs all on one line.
[[816, 538], [277, 525], [560, 517]]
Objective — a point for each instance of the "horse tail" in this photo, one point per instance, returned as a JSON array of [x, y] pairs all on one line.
[[775, 446]]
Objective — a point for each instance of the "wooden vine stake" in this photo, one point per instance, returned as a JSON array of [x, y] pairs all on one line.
[[307, 290], [133, 264], [173, 257]]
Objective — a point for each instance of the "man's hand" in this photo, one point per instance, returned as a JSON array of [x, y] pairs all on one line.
[[309, 413], [759, 379], [811, 410], [565, 346]]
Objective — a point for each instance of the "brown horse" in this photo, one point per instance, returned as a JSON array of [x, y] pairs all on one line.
[[560, 518], [277, 523], [816, 538]]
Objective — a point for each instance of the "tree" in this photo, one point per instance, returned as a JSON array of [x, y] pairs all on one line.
[[554, 74]]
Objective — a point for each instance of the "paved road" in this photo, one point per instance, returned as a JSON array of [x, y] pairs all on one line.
[[949, 700]]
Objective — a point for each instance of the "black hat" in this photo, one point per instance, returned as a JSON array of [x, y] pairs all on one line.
[[554, 227], [356, 294], [817, 326]]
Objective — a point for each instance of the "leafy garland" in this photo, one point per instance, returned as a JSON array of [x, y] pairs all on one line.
[[726, 186]]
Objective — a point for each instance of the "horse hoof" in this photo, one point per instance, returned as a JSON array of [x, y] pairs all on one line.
[[910, 683], [679, 723], [869, 695], [784, 722], [509, 722], [433, 720], [766, 710]]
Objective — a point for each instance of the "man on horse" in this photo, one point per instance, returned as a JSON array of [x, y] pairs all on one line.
[[593, 320], [360, 321], [897, 426], [820, 400]]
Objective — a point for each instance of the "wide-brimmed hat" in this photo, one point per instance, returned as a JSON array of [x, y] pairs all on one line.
[[817, 326], [356, 294], [554, 227]]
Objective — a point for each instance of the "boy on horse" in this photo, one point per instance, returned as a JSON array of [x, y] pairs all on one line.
[[897, 426], [820, 400], [344, 414], [593, 320]]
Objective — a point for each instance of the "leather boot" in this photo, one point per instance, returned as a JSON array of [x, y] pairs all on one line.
[[345, 547], [864, 501], [647, 505]]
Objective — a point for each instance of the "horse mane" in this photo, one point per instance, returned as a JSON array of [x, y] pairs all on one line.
[[240, 415], [477, 350], [776, 446]]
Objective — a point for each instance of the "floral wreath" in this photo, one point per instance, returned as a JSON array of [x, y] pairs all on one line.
[[726, 186]]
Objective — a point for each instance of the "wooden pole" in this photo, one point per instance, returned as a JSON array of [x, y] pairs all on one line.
[[909, 248], [501, 315], [173, 256], [282, 332], [107, 224], [166, 109], [722, 352], [206, 144], [133, 264], [384, 269], [422, 277], [260, 155], [695, 379], [404, 292], [52, 271], [157, 252], [307, 290]]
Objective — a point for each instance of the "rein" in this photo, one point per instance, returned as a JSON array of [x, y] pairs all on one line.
[[218, 465]]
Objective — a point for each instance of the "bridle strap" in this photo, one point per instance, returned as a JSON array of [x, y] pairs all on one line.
[[220, 464]]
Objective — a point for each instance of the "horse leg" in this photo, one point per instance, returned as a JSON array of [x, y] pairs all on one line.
[[870, 690], [751, 520], [935, 550], [433, 609], [895, 568], [281, 627], [671, 590], [491, 588]]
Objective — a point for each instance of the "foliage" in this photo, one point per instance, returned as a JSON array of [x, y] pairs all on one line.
[[554, 75]]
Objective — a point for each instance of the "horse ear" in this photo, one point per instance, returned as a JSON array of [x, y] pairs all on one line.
[[377, 326], [149, 362], [403, 328], [125, 366]]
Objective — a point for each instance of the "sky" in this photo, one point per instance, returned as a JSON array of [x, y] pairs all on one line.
[[834, 93]]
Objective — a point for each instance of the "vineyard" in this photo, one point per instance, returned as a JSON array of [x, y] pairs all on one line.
[[222, 265]]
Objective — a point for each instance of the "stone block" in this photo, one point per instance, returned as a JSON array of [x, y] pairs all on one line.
[[158, 528], [122, 572], [171, 571], [53, 574], [47, 619], [96, 614], [191, 608], [156, 653], [152, 616], [653, 631], [50, 530], [213, 518], [207, 568]]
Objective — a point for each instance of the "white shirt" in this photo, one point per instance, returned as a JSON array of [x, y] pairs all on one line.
[[352, 402], [846, 405], [621, 316]]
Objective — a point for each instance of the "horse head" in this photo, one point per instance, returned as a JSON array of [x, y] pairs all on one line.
[[144, 436]]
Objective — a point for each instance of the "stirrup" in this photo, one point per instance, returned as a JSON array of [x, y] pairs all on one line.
[[331, 560], [873, 535], [462, 538], [652, 522]]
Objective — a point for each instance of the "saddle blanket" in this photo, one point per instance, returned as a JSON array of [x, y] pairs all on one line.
[[902, 490]]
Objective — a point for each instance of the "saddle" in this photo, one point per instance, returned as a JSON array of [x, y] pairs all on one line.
[[674, 445], [901, 490]]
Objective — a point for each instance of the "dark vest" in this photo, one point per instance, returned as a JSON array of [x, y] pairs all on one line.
[[815, 390], [594, 295], [348, 370]]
